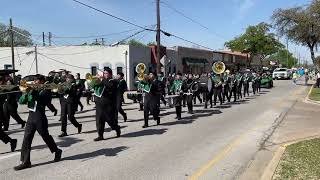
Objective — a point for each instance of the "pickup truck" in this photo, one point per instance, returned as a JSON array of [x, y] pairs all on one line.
[[281, 73]]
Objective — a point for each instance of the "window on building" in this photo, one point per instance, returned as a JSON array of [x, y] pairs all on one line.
[[94, 70], [7, 66], [119, 70], [174, 69], [169, 69]]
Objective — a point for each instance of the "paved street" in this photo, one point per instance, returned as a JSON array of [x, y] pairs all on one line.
[[216, 143]]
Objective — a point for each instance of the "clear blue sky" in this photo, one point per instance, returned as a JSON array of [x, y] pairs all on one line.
[[225, 19]]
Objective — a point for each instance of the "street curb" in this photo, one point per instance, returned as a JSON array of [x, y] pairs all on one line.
[[308, 100], [277, 155]]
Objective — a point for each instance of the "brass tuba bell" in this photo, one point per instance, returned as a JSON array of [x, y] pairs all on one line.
[[218, 67], [140, 69]]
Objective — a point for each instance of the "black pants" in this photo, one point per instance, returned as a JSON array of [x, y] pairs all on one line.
[[11, 110], [177, 104], [189, 99], [4, 137], [208, 98], [225, 94], [197, 95], [119, 106], [239, 91], [51, 107], [254, 87], [88, 96], [67, 112], [105, 112], [36, 122], [217, 93], [151, 106], [246, 89], [233, 91], [162, 99]]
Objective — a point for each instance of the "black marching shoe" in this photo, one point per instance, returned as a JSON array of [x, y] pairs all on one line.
[[118, 130], [158, 120], [55, 113], [63, 134], [79, 128], [22, 166], [13, 145], [23, 124], [125, 117], [145, 126], [98, 138], [57, 155]]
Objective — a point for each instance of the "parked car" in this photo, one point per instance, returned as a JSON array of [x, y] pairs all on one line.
[[266, 81], [281, 73]]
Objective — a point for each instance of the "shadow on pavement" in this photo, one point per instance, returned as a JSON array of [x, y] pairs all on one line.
[[145, 132], [100, 152], [189, 121]]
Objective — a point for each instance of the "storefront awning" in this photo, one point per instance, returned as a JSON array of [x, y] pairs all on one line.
[[194, 61]]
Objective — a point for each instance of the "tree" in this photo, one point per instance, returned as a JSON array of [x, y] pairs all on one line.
[[135, 43], [284, 57], [256, 41], [301, 25], [21, 37]]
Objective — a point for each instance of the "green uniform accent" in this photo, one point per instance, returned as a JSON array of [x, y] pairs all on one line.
[[29, 99], [176, 86], [146, 86]]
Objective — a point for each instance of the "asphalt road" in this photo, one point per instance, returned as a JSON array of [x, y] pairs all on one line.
[[214, 143]]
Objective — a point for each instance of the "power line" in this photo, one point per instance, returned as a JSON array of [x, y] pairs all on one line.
[[183, 39], [191, 19], [113, 16], [93, 36], [62, 62]]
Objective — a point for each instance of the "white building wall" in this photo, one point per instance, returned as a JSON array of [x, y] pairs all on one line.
[[77, 59]]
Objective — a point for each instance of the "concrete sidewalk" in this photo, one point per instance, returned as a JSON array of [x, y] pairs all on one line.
[[299, 123]]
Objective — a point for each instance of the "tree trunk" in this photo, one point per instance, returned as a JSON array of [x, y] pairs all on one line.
[[315, 63]]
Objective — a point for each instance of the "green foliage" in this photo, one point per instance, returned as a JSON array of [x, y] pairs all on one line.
[[256, 41], [19, 40], [134, 42], [151, 43], [300, 25], [284, 57]]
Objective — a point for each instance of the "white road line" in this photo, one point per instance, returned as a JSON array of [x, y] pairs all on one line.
[[9, 156]]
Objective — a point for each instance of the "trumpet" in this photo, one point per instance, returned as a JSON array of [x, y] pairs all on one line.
[[24, 87]]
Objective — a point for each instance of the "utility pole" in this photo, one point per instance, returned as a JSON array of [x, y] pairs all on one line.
[[12, 47], [158, 37], [126, 64], [36, 58], [50, 36], [43, 40], [287, 53], [102, 41], [96, 41]]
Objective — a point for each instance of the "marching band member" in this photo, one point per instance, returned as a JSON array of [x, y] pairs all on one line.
[[233, 87], [226, 86], [79, 87], [152, 98], [254, 83], [122, 87], [217, 88], [176, 90], [246, 81], [37, 121], [10, 107], [239, 78], [68, 106], [162, 86], [105, 90], [188, 92], [3, 136]]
